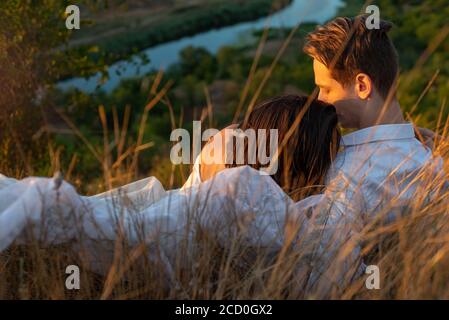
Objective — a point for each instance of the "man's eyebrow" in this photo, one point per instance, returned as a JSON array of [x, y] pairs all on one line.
[[321, 85]]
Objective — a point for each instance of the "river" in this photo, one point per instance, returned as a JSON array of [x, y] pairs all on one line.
[[163, 55]]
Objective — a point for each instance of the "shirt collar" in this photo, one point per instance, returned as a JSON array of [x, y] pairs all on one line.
[[379, 133]]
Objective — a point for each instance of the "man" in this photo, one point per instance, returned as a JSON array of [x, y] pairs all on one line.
[[381, 165], [356, 69]]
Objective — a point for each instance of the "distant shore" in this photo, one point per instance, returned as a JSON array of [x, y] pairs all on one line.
[[131, 32]]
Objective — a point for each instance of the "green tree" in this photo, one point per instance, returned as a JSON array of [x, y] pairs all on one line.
[[32, 58]]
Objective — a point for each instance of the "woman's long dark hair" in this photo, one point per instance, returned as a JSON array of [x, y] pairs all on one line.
[[308, 153]]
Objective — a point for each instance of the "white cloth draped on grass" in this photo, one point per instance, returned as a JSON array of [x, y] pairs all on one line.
[[238, 202]]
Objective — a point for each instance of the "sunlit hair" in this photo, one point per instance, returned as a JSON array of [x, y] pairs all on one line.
[[310, 150], [347, 47]]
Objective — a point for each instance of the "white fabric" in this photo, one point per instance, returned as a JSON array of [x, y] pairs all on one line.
[[27, 198], [5, 181], [237, 202]]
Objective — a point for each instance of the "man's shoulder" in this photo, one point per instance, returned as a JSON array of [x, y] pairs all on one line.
[[380, 159]]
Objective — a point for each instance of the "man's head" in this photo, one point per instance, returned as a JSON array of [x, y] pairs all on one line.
[[355, 68]]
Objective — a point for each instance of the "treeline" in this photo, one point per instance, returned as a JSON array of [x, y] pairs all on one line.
[[421, 35], [181, 23]]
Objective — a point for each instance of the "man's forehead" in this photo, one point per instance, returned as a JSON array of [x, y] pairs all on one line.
[[322, 74], [320, 68]]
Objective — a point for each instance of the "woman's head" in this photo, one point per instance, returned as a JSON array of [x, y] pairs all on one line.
[[312, 142]]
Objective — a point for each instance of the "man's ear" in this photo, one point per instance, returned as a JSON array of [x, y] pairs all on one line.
[[363, 86]]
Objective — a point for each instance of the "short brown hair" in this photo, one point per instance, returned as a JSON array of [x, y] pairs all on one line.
[[346, 47]]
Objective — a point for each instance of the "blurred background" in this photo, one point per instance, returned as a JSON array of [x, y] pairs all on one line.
[[99, 103]]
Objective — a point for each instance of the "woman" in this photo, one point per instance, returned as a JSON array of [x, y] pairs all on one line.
[[308, 139], [308, 152]]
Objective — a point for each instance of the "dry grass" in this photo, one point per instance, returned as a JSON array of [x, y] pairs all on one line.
[[412, 254]]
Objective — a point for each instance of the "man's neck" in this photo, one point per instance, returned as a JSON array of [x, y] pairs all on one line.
[[390, 114]]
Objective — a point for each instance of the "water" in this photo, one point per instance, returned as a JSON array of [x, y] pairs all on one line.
[[163, 55]]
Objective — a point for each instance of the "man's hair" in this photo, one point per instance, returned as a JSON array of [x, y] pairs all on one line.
[[347, 47]]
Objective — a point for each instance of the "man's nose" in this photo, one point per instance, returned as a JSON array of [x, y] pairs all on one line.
[[321, 96]]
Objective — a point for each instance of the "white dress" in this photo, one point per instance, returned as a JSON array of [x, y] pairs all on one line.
[[237, 202]]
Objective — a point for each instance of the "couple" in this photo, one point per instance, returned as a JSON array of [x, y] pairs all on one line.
[[355, 70], [349, 177]]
